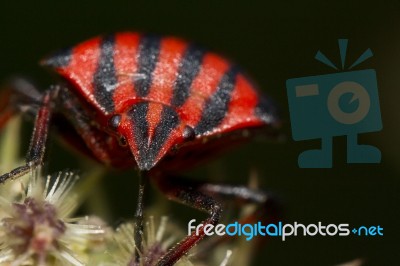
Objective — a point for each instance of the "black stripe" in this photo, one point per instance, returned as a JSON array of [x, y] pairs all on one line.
[[168, 121], [188, 70], [138, 115], [105, 79], [59, 59], [149, 50], [217, 105], [267, 111]]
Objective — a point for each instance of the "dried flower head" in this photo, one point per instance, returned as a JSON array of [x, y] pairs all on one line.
[[156, 242], [38, 230]]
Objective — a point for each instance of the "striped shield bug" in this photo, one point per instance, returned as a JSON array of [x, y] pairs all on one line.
[[159, 104]]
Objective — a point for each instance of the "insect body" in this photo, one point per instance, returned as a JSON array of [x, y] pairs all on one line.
[[160, 92], [159, 104]]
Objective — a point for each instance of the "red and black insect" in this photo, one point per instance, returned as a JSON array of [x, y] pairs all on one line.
[[158, 104]]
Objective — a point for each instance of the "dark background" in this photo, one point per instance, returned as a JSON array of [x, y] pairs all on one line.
[[273, 41]]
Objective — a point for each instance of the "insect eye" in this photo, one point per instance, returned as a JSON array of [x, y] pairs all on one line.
[[188, 133], [114, 122], [122, 142]]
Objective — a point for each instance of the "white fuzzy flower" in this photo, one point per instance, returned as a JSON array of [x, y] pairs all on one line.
[[156, 242], [37, 228]]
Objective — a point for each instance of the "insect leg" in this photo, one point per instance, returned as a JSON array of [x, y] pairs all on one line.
[[268, 207], [77, 125], [6, 111], [267, 203], [139, 216], [192, 197], [202, 196], [38, 140], [18, 95]]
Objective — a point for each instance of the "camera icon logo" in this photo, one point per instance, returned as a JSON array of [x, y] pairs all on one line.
[[338, 104]]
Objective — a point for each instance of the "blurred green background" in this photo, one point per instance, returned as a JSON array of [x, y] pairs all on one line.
[[273, 41]]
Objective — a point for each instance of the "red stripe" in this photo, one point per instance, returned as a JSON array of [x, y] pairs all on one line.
[[175, 137], [241, 113], [125, 60], [165, 73], [83, 65], [126, 130], [153, 118], [203, 86]]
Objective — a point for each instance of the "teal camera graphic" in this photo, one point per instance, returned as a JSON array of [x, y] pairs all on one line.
[[338, 104]]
